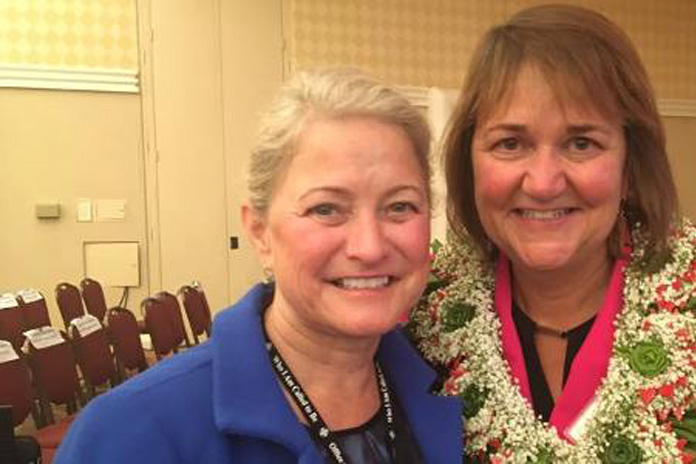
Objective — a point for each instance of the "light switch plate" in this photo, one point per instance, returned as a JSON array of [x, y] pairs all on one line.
[[84, 210]]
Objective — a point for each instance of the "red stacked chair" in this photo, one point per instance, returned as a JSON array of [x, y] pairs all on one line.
[[55, 375], [160, 327], [16, 389], [125, 336], [56, 381], [197, 310], [34, 309], [171, 304], [69, 302], [93, 354], [11, 321], [93, 295]]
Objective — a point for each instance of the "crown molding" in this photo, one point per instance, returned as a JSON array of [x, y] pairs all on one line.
[[684, 108], [680, 108], [67, 78]]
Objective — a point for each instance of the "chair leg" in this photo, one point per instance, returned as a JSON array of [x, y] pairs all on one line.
[[47, 409], [71, 407], [91, 391], [37, 414], [120, 371], [81, 400]]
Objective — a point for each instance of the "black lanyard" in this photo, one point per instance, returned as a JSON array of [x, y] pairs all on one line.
[[317, 426]]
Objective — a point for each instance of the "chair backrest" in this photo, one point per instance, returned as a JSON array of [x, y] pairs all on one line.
[[69, 302], [15, 388], [158, 323], [93, 295], [55, 372], [125, 335], [11, 320], [34, 309], [177, 320], [93, 355], [197, 310]]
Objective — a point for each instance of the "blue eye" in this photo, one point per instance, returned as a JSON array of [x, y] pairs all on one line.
[[402, 207], [400, 211], [328, 213], [324, 209]]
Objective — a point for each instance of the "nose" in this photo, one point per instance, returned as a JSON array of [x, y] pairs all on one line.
[[366, 240], [545, 176]]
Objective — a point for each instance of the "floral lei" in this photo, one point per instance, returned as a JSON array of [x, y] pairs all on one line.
[[646, 404]]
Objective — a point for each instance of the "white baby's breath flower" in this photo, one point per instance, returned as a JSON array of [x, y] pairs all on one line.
[[631, 405]]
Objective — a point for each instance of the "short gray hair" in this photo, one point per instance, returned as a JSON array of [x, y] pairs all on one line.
[[327, 94]]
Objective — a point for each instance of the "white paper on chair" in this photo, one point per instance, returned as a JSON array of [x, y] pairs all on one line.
[[30, 295], [7, 301], [44, 337], [86, 324], [7, 352]]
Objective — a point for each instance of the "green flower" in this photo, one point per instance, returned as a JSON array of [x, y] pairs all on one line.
[[434, 283], [456, 315], [686, 430], [473, 399], [621, 450], [544, 457], [435, 246], [691, 304], [648, 358]]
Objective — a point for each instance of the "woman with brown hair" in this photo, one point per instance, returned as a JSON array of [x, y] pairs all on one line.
[[562, 308]]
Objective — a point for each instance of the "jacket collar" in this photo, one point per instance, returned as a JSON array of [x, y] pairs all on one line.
[[246, 393], [436, 421]]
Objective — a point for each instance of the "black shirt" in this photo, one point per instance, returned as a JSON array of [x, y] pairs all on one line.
[[542, 401], [367, 444]]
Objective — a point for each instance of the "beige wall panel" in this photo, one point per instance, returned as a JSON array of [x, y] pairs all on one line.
[[85, 33], [61, 146], [429, 43], [251, 76], [681, 140], [189, 140]]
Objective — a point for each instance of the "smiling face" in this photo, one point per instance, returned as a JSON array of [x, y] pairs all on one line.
[[347, 231], [548, 178]]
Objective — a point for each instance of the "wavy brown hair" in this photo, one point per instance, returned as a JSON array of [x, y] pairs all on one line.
[[587, 60]]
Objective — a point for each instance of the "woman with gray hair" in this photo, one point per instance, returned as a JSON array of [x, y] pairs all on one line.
[[308, 367]]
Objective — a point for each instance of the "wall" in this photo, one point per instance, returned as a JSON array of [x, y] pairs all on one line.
[[681, 143], [64, 145], [82, 33], [61, 146], [208, 87], [176, 153], [429, 43], [251, 75], [188, 138]]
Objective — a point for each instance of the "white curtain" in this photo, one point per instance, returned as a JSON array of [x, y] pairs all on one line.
[[441, 103]]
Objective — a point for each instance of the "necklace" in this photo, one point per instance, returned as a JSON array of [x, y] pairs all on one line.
[[543, 329], [318, 428], [643, 411]]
